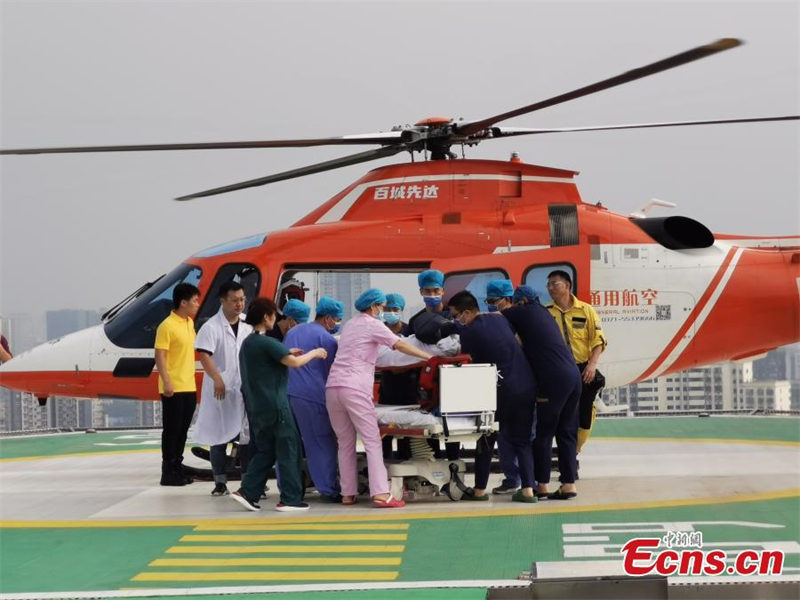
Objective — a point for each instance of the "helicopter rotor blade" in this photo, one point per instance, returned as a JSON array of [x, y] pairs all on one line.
[[382, 138], [327, 165], [501, 132], [471, 127]]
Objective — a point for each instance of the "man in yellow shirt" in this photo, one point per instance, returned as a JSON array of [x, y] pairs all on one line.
[[174, 347], [584, 335]]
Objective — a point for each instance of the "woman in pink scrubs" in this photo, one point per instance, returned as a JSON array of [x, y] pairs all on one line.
[[348, 397]]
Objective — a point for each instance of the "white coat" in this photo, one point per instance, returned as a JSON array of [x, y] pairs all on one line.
[[219, 421]]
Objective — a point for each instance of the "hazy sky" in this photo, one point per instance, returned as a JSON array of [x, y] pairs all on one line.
[[82, 231]]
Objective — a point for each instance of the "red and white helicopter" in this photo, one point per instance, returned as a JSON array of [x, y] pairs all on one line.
[[671, 294]]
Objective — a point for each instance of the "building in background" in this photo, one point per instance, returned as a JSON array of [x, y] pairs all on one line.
[[770, 383], [345, 287]]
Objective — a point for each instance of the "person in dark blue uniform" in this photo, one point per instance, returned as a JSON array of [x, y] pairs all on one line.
[[488, 338], [499, 294], [558, 391], [431, 324], [400, 387]]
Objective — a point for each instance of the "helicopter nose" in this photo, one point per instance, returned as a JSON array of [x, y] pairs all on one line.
[[58, 367]]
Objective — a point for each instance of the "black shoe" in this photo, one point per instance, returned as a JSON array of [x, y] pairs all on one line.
[[559, 494], [335, 499], [283, 507], [220, 490], [504, 489], [237, 495], [170, 479]]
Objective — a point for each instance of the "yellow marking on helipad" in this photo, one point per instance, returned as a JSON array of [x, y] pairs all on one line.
[[323, 561], [306, 527], [272, 576], [78, 454], [285, 549], [543, 507], [299, 537]]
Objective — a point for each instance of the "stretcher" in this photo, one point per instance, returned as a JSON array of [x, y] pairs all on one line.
[[457, 403]]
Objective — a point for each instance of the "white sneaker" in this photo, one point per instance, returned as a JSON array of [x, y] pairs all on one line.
[[291, 507]]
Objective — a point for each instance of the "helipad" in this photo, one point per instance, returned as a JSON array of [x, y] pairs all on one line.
[[83, 516]]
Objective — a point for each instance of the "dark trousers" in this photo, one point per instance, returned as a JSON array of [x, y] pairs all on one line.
[[403, 448], [176, 415], [218, 455], [557, 416], [516, 429], [274, 438], [589, 392]]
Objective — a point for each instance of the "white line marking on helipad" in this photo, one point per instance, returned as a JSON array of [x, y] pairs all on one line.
[[269, 589]]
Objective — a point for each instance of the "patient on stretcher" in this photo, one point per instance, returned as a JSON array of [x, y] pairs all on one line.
[[448, 346]]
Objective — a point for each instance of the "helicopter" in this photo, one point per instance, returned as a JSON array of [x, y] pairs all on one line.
[[668, 290]]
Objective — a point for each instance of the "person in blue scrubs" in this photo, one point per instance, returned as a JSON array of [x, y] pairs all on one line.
[[488, 338], [558, 392], [307, 396]]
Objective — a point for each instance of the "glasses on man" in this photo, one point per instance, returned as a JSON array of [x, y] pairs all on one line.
[[493, 301]]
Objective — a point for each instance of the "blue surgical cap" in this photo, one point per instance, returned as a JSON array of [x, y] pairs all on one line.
[[430, 278], [395, 301], [297, 310], [524, 292], [499, 288], [329, 307], [368, 298]]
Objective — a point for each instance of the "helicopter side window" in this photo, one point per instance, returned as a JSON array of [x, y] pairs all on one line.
[[536, 277], [245, 273], [473, 282], [346, 283], [135, 326]]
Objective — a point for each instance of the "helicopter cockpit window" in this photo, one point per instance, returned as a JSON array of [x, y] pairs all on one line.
[[135, 326], [246, 274], [474, 282], [536, 277], [346, 284]]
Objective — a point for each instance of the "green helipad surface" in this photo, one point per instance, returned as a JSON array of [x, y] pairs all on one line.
[[773, 429], [449, 544]]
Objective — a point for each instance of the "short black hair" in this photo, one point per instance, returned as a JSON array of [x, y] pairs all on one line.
[[463, 301], [183, 291], [229, 286], [260, 308], [562, 274]]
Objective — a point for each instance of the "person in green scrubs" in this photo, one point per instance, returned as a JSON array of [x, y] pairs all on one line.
[[264, 366]]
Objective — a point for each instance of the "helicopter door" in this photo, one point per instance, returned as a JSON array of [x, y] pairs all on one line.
[[474, 272], [245, 273]]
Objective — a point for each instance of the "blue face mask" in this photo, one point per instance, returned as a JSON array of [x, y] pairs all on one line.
[[379, 316], [391, 318], [432, 301], [336, 328], [492, 307]]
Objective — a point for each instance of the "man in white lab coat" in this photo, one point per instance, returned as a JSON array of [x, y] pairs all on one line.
[[222, 416]]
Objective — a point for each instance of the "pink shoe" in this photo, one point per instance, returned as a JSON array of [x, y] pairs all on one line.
[[389, 503]]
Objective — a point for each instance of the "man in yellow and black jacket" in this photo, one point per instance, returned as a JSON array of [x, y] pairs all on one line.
[[583, 333]]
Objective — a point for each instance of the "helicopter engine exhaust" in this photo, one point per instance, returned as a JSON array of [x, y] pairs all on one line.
[[676, 233]]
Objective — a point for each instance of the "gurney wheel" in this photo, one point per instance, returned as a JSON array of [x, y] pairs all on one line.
[[452, 491]]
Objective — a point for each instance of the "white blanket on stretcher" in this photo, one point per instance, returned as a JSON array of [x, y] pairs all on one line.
[[405, 416], [449, 346], [413, 416]]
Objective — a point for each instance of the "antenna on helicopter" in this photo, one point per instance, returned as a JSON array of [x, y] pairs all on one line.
[[653, 203]]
